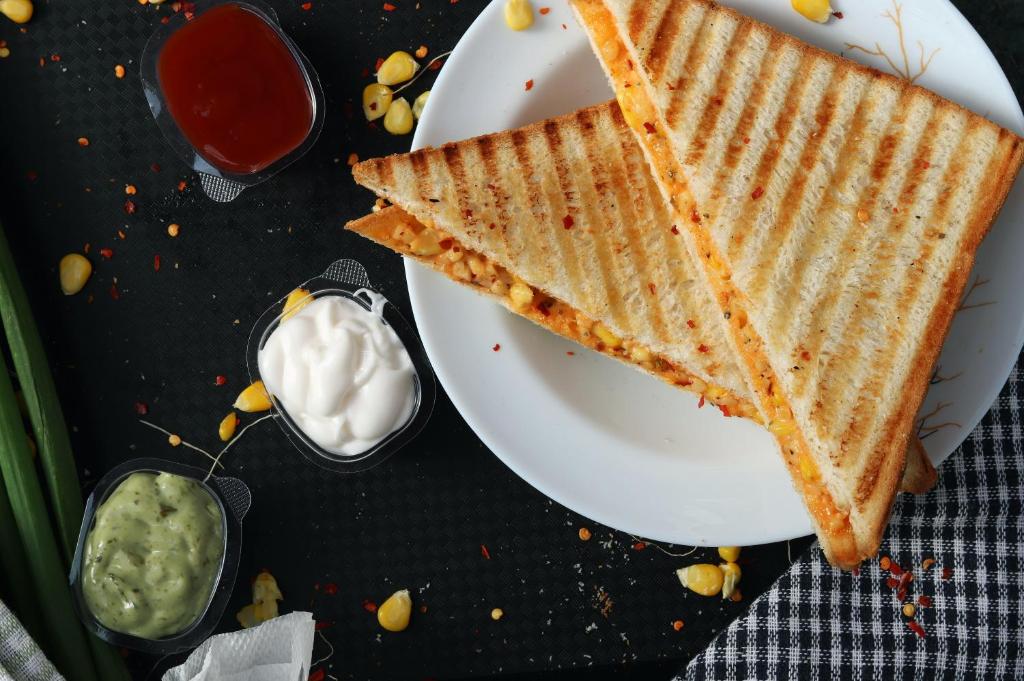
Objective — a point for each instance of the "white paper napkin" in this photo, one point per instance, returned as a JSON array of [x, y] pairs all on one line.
[[277, 650]]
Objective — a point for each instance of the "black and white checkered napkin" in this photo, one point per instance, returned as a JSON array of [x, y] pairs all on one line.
[[817, 622]]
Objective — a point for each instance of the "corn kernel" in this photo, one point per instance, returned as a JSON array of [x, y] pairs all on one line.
[[729, 554], [704, 578], [781, 427], [74, 271], [173, 440], [253, 399], [394, 613], [808, 469], [398, 120], [226, 429], [640, 354], [296, 300], [419, 104], [497, 614], [18, 11], [499, 288], [397, 68], [521, 295], [815, 10], [376, 100], [425, 244], [606, 336], [518, 14], [731, 574]]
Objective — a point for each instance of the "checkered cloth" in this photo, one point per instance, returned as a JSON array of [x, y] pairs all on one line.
[[817, 622], [20, 657]]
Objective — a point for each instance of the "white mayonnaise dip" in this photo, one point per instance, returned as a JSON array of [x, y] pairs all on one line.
[[343, 376]]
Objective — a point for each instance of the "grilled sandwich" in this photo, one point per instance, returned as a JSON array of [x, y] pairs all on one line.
[[562, 223], [835, 212]]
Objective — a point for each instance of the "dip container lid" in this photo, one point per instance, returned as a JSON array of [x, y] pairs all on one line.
[[232, 497], [220, 185], [348, 279]]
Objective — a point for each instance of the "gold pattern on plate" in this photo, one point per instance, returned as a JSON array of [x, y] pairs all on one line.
[[895, 15]]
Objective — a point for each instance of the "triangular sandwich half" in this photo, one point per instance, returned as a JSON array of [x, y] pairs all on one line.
[[835, 212]]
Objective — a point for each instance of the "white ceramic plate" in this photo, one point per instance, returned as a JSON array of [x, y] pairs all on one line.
[[609, 442]]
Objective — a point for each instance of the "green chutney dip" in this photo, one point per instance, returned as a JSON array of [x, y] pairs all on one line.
[[153, 555]]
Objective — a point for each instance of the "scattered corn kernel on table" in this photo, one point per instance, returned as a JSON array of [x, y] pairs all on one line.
[[503, 580]]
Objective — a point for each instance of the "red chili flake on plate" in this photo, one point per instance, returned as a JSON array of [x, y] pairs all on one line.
[[746, 140], [129, 207], [725, 410], [83, 141], [181, 185], [947, 573], [388, 7], [435, 65], [445, 243], [141, 408], [651, 287], [564, 27], [497, 346], [675, 230], [306, 6], [690, 323], [694, 216], [54, 57], [220, 380], [924, 601], [757, 193], [639, 546], [378, 64], [156, 263], [703, 348], [155, 167], [107, 253], [114, 293], [529, 85], [649, 127], [892, 582], [570, 353], [916, 628], [484, 552], [165, 20], [544, 10], [568, 222], [317, 675], [806, 356], [330, 588], [837, 15], [369, 606], [895, 568], [323, 624], [700, 402]]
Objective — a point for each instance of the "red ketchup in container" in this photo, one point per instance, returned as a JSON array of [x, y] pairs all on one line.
[[236, 91]]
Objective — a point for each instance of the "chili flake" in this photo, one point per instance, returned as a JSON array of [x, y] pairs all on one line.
[[694, 216], [677, 625], [107, 253], [141, 408], [114, 293], [916, 628], [649, 127], [55, 57], [129, 207], [651, 287], [388, 7], [584, 534], [570, 353], [700, 402], [806, 356], [83, 141], [156, 263], [497, 347], [675, 230], [181, 185], [155, 167], [757, 193], [331, 589], [924, 601], [639, 546], [119, 71], [544, 10], [837, 15], [130, 189], [378, 64], [435, 65], [892, 582], [369, 606], [484, 552], [703, 348], [306, 6], [947, 573], [895, 568], [692, 324], [317, 675], [220, 380], [568, 222], [421, 52], [725, 410], [353, 158], [529, 85]]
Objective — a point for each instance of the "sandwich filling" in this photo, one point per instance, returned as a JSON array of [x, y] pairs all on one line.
[[641, 115], [446, 254]]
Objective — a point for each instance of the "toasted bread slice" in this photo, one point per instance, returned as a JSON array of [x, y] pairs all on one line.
[[569, 207], [835, 211]]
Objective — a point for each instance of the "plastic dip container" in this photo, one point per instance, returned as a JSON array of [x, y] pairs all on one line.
[[231, 93], [348, 279], [232, 498]]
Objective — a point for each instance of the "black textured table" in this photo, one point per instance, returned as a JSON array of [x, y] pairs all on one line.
[[160, 338]]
